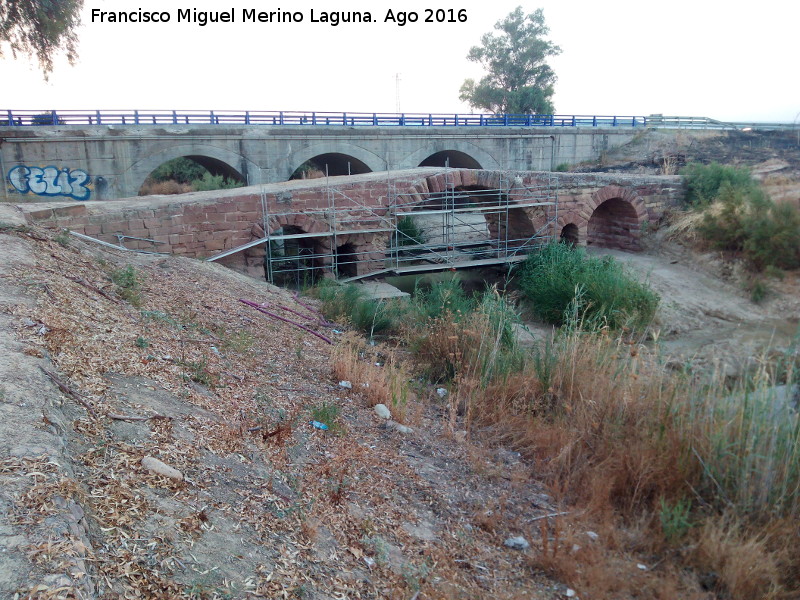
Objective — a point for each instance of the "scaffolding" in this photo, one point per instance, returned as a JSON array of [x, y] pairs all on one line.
[[459, 227]]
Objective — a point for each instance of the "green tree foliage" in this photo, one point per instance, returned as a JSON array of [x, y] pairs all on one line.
[[703, 182], [181, 169], [519, 81], [747, 221], [40, 28]]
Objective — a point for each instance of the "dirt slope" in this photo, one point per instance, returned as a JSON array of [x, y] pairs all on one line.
[[705, 317], [268, 506]]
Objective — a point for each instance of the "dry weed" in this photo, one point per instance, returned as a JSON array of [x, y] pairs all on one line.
[[739, 563], [165, 188], [378, 374]]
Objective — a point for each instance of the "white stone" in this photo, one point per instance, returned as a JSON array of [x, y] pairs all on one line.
[[442, 392], [593, 536], [161, 468], [517, 543], [382, 411], [399, 427], [346, 385]]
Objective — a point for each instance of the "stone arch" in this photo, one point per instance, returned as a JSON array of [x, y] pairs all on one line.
[[616, 218], [580, 224], [309, 257], [452, 158], [371, 161], [220, 159], [468, 149], [570, 234]]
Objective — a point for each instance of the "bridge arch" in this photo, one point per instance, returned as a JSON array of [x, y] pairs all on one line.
[[616, 219], [457, 148], [451, 158], [215, 159], [339, 152]]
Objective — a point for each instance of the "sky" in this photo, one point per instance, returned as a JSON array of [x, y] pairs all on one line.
[[725, 60]]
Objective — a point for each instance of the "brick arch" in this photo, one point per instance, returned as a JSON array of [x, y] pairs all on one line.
[[573, 218], [617, 214]]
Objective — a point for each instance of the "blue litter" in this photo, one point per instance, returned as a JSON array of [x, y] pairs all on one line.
[[319, 425]]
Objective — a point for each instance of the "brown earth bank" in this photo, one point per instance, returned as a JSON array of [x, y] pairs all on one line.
[[772, 156], [110, 358], [253, 501]]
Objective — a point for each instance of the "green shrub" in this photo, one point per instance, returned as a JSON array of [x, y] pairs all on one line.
[[407, 234], [347, 303], [562, 167], [746, 220], [704, 182], [442, 297], [211, 182], [674, 518], [129, 285], [62, 238], [561, 280]]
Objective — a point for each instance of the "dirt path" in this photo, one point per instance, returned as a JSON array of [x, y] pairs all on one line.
[[703, 318]]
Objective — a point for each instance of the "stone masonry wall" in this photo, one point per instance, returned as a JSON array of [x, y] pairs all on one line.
[[202, 224]]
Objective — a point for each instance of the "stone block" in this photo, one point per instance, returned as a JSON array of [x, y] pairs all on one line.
[[114, 227], [75, 210], [214, 245]]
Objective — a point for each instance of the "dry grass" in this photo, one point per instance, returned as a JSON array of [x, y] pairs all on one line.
[[378, 374], [622, 440], [742, 564], [164, 188], [683, 225], [669, 165]]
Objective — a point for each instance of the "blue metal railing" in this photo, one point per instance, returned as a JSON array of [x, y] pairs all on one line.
[[22, 118]]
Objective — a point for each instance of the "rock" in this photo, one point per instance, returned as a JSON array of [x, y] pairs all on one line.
[[346, 385], [508, 457], [592, 536], [460, 436], [423, 531], [399, 427], [382, 411], [160, 468], [517, 543], [442, 392], [570, 593]]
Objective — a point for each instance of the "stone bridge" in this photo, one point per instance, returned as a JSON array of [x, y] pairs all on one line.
[[101, 162], [231, 226]]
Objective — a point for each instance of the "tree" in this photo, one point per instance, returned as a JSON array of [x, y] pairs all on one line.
[[41, 28], [519, 81]]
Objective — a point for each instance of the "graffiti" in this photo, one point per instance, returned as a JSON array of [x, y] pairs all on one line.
[[51, 181]]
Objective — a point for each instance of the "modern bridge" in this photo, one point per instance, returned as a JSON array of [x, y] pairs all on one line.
[[102, 155]]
